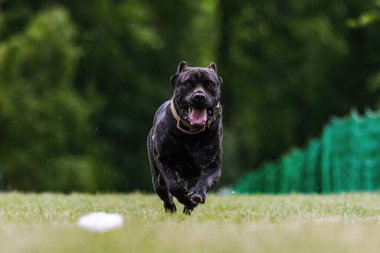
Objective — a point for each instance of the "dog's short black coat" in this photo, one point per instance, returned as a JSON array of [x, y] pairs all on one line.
[[184, 144]]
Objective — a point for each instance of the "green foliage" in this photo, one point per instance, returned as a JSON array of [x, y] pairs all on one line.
[[46, 129], [288, 65], [80, 82], [129, 46]]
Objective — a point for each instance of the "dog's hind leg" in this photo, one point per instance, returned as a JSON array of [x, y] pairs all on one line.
[[162, 190], [165, 195]]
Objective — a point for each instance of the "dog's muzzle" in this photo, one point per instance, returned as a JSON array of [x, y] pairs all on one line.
[[198, 120]]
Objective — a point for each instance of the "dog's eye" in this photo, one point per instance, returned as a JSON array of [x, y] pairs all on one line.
[[210, 84], [189, 83]]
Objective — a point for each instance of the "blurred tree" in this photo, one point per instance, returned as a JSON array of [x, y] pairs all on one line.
[[131, 50], [45, 132], [126, 48], [104, 67], [289, 66]]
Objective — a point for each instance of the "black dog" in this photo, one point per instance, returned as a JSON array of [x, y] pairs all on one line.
[[184, 144]]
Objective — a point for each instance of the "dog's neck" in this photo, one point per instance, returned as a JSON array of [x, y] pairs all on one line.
[[185, 127]]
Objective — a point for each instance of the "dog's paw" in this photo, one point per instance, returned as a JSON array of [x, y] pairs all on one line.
[[188, 210], [197, 196], [170, 207]]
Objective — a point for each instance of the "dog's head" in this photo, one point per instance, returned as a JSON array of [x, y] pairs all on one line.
[[196, 92]]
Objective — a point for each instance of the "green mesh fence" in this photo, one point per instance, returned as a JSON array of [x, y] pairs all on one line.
[[345, 158]]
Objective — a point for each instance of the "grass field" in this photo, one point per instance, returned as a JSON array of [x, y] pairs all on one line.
[[258, 223]]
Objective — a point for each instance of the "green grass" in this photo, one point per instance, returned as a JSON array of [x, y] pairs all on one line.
[[259, 223]]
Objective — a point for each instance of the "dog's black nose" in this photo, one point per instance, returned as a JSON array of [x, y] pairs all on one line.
[[199, 97]]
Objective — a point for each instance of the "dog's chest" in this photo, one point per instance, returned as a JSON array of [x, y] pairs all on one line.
[[184, 159]]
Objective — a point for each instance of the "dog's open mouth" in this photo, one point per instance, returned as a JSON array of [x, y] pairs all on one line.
[[197, 116]]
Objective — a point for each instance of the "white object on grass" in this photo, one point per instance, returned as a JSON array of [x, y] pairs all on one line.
[[100, 221]]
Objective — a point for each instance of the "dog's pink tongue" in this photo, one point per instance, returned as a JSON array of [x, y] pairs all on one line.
[[198, 117]]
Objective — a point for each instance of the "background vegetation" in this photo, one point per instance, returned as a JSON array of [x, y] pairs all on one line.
[[80, 80]]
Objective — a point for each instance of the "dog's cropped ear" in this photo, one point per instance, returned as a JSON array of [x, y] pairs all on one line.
[[182, 65], [212, 66]]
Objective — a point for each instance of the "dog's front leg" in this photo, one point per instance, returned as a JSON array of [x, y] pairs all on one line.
[[208, 178]]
